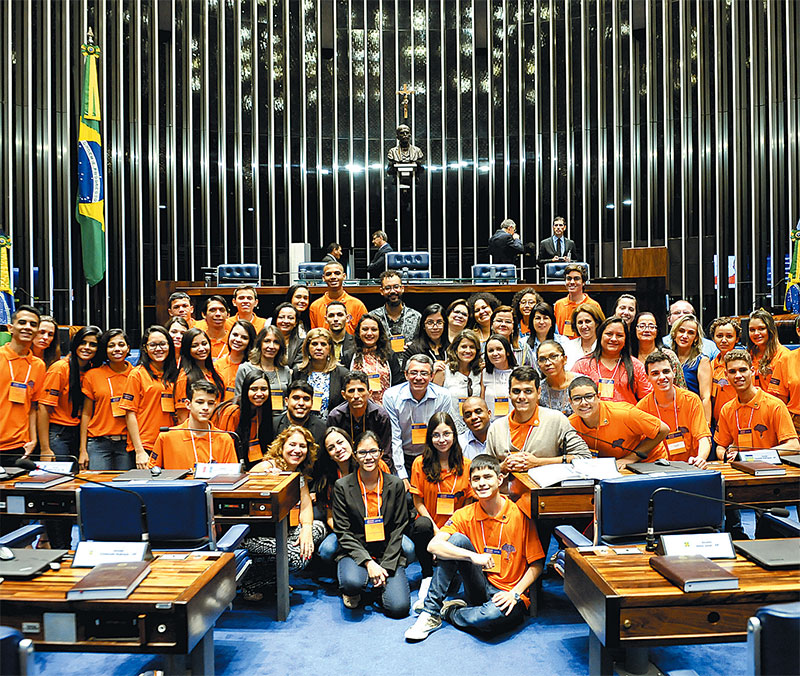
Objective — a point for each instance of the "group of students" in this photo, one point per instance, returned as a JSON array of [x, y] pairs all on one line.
[[402, 424]]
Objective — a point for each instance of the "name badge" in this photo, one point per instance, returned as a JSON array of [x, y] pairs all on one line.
[[316, 403], [605, 388], [276, 399], [167, 403], [398, 343], [418, 432], [374, 382], [501, 406], [373, 529], [17, 393], [294, 516], [116, 411], [568, 328], [445, 503], [461, 401], [745, 438], [497, 557], [675, 444]]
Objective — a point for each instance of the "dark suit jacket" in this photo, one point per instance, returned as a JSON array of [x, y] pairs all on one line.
[[348, 347], [378, 264], [330, 258], [348, 522], [504, 248], [547, 250], [337, 384]]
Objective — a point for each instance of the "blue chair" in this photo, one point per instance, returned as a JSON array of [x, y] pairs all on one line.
[[310, 271], [233, 274], [484, 273], [22, 537], [410, 264], [180, 517], [15, 652], [772, 640], [555, 272], [769, 526]]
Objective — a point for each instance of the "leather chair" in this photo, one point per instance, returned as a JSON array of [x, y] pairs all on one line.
[[15, 652], [555, 272], [483, 273], [410, 264], [310, 271], [772, 640], [770, 526], [233, 274]]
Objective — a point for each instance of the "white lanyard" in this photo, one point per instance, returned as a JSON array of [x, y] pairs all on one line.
[[14, 380], [210, 449], [452, 490], [613, 373], [738, 426], [499, 540]]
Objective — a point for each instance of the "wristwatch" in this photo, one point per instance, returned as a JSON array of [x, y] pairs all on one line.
[[517, 597]]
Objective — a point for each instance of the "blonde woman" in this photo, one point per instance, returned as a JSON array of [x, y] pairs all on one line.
[[320, 369]]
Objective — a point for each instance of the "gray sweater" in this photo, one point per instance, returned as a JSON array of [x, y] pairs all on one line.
[[552, 437]]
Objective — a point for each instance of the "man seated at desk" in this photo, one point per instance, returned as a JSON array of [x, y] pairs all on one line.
[[182, 448]]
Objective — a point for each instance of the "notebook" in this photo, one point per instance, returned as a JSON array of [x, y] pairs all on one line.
[[771, 554], [653, 468], [29, 562], [145, 475]]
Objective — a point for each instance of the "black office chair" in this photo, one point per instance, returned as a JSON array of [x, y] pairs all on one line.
[[772, 640], [15, 652], [769, 526]]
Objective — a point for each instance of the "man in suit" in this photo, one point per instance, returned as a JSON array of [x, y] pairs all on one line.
[[334, 253], [558, 247], [505, 245], [381, 242]]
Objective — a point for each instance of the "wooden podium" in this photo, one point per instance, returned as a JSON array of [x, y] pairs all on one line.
[[650, 267]]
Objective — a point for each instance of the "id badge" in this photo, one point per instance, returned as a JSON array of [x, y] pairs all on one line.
[[418, 432], [276, 399], [461, 401], [745, 440], [605, 388], [17, 393], [294, 516], [398, 343], [568, 328], [229, 392], [116, 411], [373, 529], [316, 403], [374, 382], [167, 403], [445, 503], [497, 558], [501, 406], [675, 444]]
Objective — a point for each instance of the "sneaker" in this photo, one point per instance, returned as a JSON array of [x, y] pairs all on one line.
[[351, 601], [425, 624], [424, 585], [449, 606]]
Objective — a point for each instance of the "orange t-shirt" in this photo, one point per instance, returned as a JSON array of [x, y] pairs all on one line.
[[762, 380], [721, 389], [563, 310], [181, 449], [449, 484], [56, 394], [785, 382], [258, 322], [355, 308], [148, 398], [227, 370], [622, 427], [181, 400], [103, 385], [686, 420], [510, 532], [228, 419], [765, 416], [28, 374]]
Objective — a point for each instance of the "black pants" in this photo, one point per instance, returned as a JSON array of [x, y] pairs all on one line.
[[421, 535]]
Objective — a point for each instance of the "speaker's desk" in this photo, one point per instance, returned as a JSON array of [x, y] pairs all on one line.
[[559, 503], [172, 611], [627, 604], [264, 500]]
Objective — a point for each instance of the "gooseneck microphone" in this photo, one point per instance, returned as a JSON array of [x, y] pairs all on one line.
[[651, 539], [30, 465]]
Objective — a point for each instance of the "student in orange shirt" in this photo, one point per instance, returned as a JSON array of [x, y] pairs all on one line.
[[196, 364], [61, 404], [615, 429], [22, 377], [785, 382], [180, 305], [241, 338], [245, 300], [333, 276], [176, 327], [148, 400], [755, 419], [215, 324], [689, 438], [250, 416], [439, 486], [764, 347], [497, 551], [103, 429], [725, 332], [182, 448], [574, 280], [45, 346]]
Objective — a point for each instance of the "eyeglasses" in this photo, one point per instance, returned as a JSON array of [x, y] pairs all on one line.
[[647, 327], [392, 287], [367, 452], [432, 324], [507, 322], [544, 359], [460, 313], [588, 398], [157, 346], [416, 374], [527, 303]]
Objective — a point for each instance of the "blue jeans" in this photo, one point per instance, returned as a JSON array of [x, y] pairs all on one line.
[[330, 547], [107, 454], [481, 616], [395, 597], [65, 440]]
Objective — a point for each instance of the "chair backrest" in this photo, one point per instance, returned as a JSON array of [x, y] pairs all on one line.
[[769, 526], [310, 270], [231, 274], [179, 514], [15, 651], [555, 272], [772, 640], [410, 260], [483, 273], [621, 505]]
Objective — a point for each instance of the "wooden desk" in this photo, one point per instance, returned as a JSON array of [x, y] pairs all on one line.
[[763, 491], [172, 611], [265, 499], [629, 605]]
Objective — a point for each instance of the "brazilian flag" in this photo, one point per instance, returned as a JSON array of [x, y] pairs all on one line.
[[89, 210], [792, 302]]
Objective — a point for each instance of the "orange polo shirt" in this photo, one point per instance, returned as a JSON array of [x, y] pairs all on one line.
[[513, 533], [449, 483], [563, 310], [148, 399], [355, 308], [785, 382], [228, 419], [227, 370], [56, 394], [766, 416], [721, 389], [181, 400], [622, 427], [181, 449], [686, 420], [102, 385], [14, 417], [258, 322], [763, 380]]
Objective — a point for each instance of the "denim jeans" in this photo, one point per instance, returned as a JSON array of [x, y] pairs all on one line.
[[107, 454], [65, 440], [481, 615], [395, 597], [330, 547]]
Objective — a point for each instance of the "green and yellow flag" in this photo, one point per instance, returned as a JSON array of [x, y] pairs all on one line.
[[89, 210], [792, 301]]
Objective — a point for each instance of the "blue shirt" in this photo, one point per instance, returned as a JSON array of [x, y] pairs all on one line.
[[556, 240], [470, 446], [709, 349]]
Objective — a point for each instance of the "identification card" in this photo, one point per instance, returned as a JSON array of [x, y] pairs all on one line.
[[675, 444], [294, 516], [445, 503], [374, 382], [568, 332], [418, 432], [461, 401], [501, 406], [398, 343], [17, 393], [605, 388], [745, 439], [116, 411], [373, 529], [167, 403], [497, 557], [316, 404], [276, 399]]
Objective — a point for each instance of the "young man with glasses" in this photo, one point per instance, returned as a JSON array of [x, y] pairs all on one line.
[[399, 320]]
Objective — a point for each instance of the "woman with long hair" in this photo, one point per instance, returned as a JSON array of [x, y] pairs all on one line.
[[481, 305], [249, 414], [176, 327], [462, 374], [439, 486], [196, 364], [687, 339], [320, 369], [431, 338], [619, 376], [456, 317], [287, 318], [553, 391], [241, 338], [269, 356], [45, 345], [502, 323], [499, 360], [645, 339], [586, 319], [374, 356], [103, 430], [300, 298], [523, 303], [764, 347], [725, 332], [148, 400]]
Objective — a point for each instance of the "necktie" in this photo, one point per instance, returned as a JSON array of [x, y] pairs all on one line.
[[558, 247]]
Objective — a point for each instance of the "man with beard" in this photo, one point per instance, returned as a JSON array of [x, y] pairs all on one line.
[[399, 320]]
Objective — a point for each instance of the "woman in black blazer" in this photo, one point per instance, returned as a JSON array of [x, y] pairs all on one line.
[[370, 513], [320, 369]]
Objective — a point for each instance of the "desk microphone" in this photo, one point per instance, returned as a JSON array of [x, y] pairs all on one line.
[[29, 465], [651, 539]]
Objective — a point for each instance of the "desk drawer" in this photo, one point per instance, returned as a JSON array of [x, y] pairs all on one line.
[[672, 622], [558, 505], [775, 494]]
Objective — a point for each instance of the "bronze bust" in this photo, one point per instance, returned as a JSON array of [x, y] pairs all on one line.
[[404, 152]]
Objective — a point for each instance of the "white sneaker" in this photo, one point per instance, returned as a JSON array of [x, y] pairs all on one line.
[[425, 624], [424, 585], [451, 605], [351, 601]]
